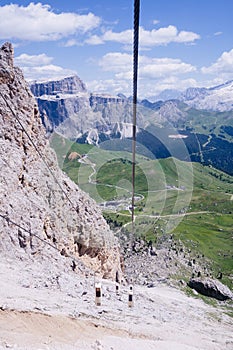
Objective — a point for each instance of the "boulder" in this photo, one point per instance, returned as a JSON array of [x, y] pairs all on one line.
[[211, 288]]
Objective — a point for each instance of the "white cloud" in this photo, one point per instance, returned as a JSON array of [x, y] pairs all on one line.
[[116, 61], [124, 37], [161, 36], [155, 74], [94, 40], [161, 67], [152, 68], [71, 42], [113, 86], [222, 67], [218, 33], [186, 37], [37, 22], [166, 35], [40, 67], [32, 60], [156, 21], [45, 73]]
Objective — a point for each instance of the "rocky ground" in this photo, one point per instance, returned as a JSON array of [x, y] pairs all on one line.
[[45, 307]]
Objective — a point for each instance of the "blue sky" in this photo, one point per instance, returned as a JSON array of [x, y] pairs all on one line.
[[183, 43]]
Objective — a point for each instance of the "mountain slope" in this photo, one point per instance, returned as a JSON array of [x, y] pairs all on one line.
[[217, 98], [41, 208], [188, 201]]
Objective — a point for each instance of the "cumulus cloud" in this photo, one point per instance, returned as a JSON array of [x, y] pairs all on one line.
[[161, 36], [166, 35], [223, 66], [45, 73], [160, 67], [94, 40], [114, 86], [124, 37], [116, 61], [37, 22], [32, 60], [151, 68], [40, 67], [155, 74]]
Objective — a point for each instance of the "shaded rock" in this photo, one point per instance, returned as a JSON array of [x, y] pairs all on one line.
[[211, 288]]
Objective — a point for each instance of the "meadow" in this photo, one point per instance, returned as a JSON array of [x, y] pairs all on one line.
[[191, 201]]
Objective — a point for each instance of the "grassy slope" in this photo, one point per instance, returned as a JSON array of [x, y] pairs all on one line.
[[170, 187]]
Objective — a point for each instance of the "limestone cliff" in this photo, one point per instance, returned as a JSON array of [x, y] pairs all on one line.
[[38, 203], [69, 109], [69, 85]]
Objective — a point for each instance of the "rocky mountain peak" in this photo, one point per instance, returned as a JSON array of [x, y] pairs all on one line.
[[7, 53], [41, 208], [6, 63], [70, 86]]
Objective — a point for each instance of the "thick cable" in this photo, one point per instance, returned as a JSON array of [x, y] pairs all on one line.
[[135, 84]]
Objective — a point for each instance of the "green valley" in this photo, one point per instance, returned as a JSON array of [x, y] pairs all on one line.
[[192, 202]]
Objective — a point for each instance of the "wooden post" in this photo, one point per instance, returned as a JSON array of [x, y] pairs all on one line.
[[130, 299], [98, 294], [117, 288], [117, 283]]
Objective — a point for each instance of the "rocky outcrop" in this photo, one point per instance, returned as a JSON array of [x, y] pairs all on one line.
[[211, 288], [60, 100], [6, 66], [41, 207], [97, 99], [69, 85], [67, 107]]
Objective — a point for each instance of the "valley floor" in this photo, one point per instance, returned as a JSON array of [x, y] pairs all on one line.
[[42, 307]]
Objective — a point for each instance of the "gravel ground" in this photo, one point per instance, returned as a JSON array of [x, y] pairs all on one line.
[[46, 306]]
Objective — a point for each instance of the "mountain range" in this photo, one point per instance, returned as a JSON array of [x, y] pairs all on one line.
[[198, 126], [217, 98]]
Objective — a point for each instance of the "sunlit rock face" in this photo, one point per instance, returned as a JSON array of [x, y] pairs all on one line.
[[35, 194]]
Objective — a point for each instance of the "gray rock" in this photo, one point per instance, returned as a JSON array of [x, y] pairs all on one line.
[[69, 85], [211, 288], [35, 194]]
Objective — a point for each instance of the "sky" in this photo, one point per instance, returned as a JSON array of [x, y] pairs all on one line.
[[182, 43]]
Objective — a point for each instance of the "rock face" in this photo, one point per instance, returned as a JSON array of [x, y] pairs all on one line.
[[6, 58], [66, 106], [39, 203], [60, 100], [211, 288], [69, 85]]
